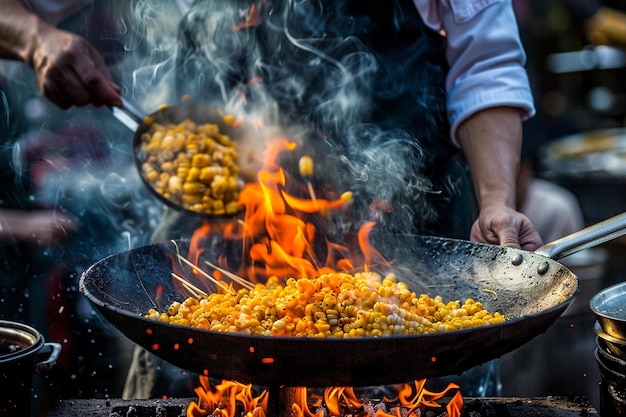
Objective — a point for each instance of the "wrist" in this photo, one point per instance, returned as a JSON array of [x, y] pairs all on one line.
[[37, 33], [18, 34]]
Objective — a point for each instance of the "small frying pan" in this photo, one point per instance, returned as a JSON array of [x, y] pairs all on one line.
[[175, 114]]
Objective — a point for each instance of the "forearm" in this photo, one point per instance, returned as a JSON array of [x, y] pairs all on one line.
[[18, 31], [491, 142]]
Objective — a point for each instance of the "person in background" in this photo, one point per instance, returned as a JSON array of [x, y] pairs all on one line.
[[69, 72], [39, 227], [47, 68], [603, 22]]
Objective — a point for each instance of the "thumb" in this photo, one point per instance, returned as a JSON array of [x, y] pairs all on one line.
[[508, 238]]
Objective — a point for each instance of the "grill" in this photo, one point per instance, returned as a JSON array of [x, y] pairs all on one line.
[[475, 407]]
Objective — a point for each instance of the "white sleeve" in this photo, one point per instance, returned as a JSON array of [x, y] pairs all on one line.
[[485, 54]]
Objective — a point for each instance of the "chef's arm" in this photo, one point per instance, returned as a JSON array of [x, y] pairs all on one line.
[[17, 29], [69, 70], [491, 142]]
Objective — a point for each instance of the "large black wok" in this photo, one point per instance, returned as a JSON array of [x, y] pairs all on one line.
[[530, 289]]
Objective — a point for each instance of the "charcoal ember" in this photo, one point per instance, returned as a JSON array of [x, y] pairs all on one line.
[[483, 408], [370, 409]]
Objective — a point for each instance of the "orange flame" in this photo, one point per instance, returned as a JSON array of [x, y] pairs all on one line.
[[278, 230], [224, 399], [252, 19], [412, 400], [277, 234]]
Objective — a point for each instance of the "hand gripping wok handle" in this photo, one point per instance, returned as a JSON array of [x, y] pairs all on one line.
[[128, 115], [586, 238]]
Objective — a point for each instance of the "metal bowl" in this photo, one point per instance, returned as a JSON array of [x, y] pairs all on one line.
[[609, 306], [613, 344], [608, 358]]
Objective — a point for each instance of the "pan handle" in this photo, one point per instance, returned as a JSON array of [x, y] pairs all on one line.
[[128, 115], [588, 237]]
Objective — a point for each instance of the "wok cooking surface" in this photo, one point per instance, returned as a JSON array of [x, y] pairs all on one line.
[[531, 294]]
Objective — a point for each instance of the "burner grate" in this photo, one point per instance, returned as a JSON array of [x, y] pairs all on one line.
[[474, 407]]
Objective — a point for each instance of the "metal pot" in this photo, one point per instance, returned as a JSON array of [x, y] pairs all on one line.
[[23, 352], [615, 345], [609, 306], [608, 358], [612, 389]]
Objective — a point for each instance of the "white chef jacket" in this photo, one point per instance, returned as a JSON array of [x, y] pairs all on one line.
[[485, 54]]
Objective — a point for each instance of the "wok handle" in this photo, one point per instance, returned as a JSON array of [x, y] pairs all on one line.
[[588, 237], [128, 115]]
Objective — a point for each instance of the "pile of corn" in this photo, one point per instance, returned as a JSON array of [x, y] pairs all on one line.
[[194, 166], [332, 305]]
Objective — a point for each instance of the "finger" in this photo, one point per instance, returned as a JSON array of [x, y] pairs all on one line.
[[531, 240], [508, 237], [104, 92], [66, 90], [97, 81], [509, 242]]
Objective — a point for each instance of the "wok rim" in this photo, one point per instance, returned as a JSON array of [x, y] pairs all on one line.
[[423, 355], [562, 305]]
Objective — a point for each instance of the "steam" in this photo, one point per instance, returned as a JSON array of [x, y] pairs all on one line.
[[364, 114], [299, 68]]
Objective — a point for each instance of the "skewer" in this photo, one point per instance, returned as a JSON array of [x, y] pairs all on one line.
[[206, 275], [307, 168], [239, 280], [195, 291]]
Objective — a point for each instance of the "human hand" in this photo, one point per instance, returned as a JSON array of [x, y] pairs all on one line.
[[70, 72], [39, 227], [501, 225]]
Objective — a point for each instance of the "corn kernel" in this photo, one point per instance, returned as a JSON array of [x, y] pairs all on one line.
[[332, 305]]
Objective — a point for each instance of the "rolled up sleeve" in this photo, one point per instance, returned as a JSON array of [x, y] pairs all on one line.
[[485, 54]]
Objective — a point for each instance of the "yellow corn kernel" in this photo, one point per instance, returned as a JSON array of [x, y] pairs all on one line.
[[193, 187], [306, 166], [229, 119], [317, 308]]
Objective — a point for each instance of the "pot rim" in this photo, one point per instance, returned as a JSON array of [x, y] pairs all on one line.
[[602, 305], [20, 330]]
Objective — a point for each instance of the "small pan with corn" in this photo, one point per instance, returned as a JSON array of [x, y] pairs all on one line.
[[188, 155]]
